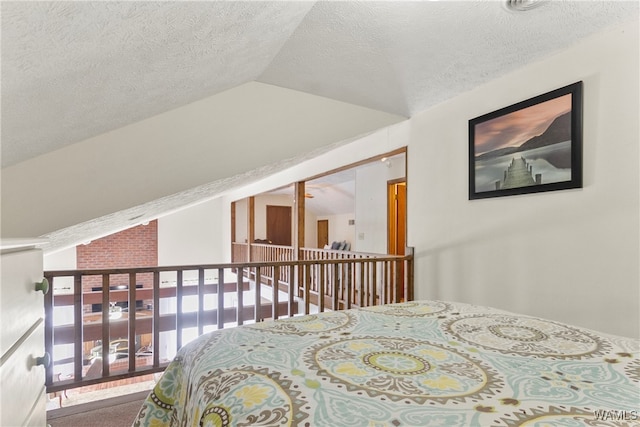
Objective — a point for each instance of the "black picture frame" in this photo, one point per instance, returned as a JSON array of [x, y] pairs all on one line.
[[523, 148]]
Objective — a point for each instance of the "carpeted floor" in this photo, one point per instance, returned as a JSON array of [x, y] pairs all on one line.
[[115, 412]]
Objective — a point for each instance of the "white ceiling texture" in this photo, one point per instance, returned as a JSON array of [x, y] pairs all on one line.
[[73, 70]]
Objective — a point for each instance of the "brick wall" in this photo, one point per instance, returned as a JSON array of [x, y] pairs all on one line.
[[134, 247]]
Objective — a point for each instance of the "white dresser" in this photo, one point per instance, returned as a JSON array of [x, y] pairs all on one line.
[[23, 400]]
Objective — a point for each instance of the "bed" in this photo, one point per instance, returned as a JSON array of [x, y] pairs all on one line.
[[412, 364]]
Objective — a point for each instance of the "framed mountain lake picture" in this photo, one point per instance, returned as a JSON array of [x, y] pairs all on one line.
[[528, 147]]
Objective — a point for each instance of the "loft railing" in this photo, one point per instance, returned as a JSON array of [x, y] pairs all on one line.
[[391, 272], [376, 281], [144, 315]]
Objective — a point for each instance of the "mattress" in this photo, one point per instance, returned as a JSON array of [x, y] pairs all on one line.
[[419, 363]]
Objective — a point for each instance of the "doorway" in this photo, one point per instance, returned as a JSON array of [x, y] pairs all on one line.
[[397, 227], [323, 233], [279, 225], [397, 216]]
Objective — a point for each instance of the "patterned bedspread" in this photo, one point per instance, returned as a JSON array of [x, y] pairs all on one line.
[[425, 363]]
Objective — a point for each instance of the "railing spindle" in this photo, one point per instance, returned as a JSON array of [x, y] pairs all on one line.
[[348, 285], [200, 316], [78, 322], [258, 302], [374, 282], [321, 288], [106, 338], [334, 286], [307, 286], [399, 284], [363, 288], [156, 319], [240, 305], [274, 298], [179, 315], [291, 291], [132, 321], [220, 298], [387, 282]]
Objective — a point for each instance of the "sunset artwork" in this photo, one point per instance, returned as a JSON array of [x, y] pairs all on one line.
[[525, 148]]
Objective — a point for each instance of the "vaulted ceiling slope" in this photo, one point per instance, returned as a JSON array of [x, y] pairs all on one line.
[[78, 75], [73, 70]]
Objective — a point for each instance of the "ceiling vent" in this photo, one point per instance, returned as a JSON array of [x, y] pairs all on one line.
[[523, 5]]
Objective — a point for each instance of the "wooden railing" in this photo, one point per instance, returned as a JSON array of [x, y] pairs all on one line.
[[265, 252], [261, 252], [367, 280], [175, 304]]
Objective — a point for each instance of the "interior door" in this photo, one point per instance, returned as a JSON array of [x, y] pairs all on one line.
[[323, 233], [397, 220], [397, 216], [279, 225]]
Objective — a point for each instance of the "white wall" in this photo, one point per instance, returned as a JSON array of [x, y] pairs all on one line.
[[371, 204], [339, 228], [191, 236], [65, 259], [62, 260], [242, 231], [310, 229], [568, 255]]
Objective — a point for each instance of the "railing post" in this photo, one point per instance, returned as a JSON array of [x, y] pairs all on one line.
[[409, 281], [399, 286]]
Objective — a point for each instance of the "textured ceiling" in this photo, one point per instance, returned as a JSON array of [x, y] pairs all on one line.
[[404, 56], [73, 70], [79, 69]]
